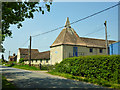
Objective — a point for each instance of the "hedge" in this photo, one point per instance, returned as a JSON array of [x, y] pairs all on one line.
[[98, 66]]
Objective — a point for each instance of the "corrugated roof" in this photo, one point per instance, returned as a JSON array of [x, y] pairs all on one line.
[[68, 36]]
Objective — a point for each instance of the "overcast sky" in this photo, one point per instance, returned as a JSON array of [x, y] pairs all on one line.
[[57, 17]]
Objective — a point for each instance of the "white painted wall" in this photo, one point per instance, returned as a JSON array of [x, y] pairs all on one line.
[[56, 54], [18, 56], [82, 51], [38, 62]]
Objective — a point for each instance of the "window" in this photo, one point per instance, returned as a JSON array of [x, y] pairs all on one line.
[[75, 51], [81, 53], [91, 49], [70, 54], [46, 61], [100, 50], [41, 61]]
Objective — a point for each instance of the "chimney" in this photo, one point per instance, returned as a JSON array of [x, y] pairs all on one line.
[[14, 54]]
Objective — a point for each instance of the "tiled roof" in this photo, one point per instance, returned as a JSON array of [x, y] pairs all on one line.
[[35, 54], [11, 56], [68, 36], [92, 42], [43, 55], [38, 56], [26, 51]]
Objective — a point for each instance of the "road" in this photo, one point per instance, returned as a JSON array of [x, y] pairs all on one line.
[[33, 79]]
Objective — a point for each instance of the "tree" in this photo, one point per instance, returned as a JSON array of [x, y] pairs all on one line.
[[17, 12], [3, 60], [1, 47]]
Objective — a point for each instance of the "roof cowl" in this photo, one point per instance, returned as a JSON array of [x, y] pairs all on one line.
[[67, 24]]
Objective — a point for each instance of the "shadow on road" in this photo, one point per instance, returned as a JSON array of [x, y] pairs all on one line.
[[55, 83], [26, 79]]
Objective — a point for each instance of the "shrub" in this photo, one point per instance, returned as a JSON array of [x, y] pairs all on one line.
[[98, 66], [11, 63], [21, 60]]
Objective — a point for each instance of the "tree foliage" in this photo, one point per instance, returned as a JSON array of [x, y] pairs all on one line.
[[17, 12], [3, 58], [1, 46]]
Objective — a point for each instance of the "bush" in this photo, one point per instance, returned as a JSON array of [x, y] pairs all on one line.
[[44, 67], [11, 63], [21, 60], [97, 66]]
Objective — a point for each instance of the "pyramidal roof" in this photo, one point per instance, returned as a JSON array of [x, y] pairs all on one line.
[[68, 36], [67, 24]]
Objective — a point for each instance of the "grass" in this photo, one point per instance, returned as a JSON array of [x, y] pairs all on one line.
[[101, 82], [0, 61], [25, 67], [7, 85]]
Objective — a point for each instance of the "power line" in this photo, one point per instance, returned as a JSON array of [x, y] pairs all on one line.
[[95, 13], [17, 49], [79, 20], [95, 31], [48, 31], [25, 42]]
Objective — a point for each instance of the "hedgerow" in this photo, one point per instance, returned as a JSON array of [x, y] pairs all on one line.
[[98, 66]]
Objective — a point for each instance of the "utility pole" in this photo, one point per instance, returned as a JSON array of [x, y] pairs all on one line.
[[106, 41], [30, 52], [9, 53]]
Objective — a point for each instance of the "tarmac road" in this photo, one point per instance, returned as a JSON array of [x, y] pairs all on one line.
[[33, 79]]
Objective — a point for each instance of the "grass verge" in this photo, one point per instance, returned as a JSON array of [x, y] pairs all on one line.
[[25, 67], [7, 85], [101, 82]]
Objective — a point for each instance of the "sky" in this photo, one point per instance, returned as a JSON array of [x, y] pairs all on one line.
[[56, 18]]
